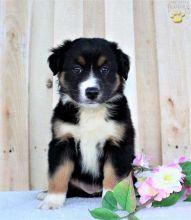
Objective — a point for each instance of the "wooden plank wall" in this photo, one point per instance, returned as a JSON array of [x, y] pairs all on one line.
[[147, 80], [174, 69], [158, 87], [40, 95], [14, 53]]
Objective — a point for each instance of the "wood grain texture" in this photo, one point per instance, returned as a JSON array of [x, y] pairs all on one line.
[[14, 43], [147, 80], [40, 102], [158, 86], [94, 18], [173, 55], [68, 25], [119, 27]]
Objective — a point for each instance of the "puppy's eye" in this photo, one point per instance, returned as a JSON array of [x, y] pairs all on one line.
[[76, 69], [104, 69]]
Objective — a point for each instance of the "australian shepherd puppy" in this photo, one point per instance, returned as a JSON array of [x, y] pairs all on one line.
[[92, 144]]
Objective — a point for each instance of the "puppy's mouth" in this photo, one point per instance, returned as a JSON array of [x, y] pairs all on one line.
[[87, 101]]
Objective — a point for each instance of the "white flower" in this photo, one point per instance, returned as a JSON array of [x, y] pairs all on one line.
[[168, 178]]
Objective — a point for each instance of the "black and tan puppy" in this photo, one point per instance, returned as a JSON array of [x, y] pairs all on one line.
[[92, 145]]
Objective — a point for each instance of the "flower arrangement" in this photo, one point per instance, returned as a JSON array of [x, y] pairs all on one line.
[[159, 186]]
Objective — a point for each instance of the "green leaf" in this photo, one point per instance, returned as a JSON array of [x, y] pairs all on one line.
[[132, 217], [109, 201], [104, 214], [186, 168], [188, 199], [125, 194], [187, 180], [171, 200]]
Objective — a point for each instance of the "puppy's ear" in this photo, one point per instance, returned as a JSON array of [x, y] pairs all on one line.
[[123, 61], [57, 57]]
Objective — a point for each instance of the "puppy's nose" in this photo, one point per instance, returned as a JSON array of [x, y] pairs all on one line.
[[92, 93]]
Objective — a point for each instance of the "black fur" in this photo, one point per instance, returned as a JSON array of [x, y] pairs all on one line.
[[57, 58], [62, 60], [64, 57]]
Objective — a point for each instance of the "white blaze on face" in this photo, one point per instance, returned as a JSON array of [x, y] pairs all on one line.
[[91, 81]]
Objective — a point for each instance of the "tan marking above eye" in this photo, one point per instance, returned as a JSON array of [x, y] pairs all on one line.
[[81, 60], [101, 60]]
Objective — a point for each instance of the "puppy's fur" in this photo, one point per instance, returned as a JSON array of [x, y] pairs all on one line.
[[92, 144]]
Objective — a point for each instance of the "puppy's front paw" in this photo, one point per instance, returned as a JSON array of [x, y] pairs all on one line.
[[53, 201]]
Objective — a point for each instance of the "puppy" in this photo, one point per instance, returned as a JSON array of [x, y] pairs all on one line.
[[92, 144]]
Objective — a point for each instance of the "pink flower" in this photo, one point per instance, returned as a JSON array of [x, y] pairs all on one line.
[[146, 190], [162, 181], [141, 177], [187, 192], [181, 159], [141, 160]]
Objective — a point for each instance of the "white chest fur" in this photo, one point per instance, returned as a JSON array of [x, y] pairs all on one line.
[[92, 130]]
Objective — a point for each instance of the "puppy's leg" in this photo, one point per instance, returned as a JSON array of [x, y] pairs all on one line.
[[58, 185], [61, 167], [117, 165], [110, 178]]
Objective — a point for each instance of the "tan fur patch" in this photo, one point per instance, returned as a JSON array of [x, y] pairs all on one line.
[[110, 178], [81, 60], [101, 60], [114, 141], [66, 137], [61, 79], [58, 183], [117, 82]]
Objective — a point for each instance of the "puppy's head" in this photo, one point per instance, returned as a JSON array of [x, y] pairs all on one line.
[[90, 71]]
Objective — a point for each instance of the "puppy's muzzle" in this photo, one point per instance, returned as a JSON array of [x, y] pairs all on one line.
[[92, 93]]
